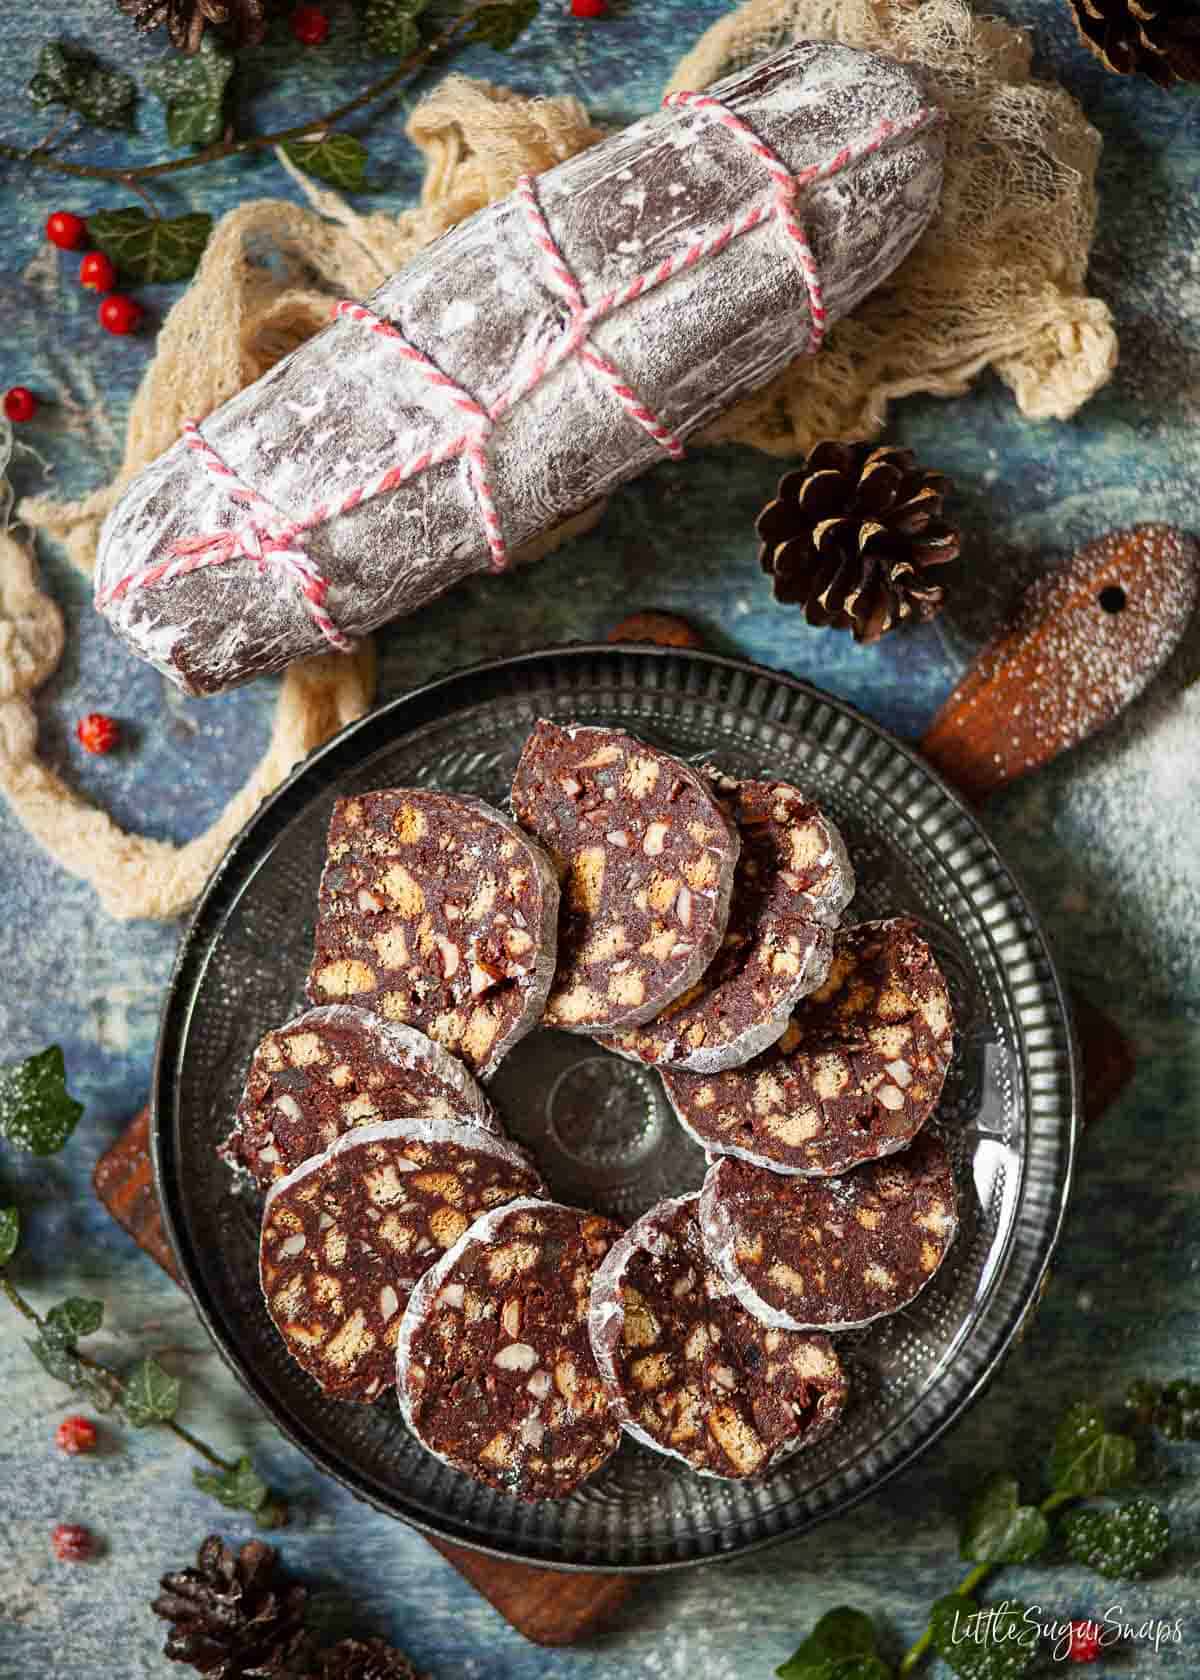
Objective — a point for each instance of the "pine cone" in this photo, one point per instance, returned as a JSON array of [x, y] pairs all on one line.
[[243, 22], [1159, 38], [364, 1659], [236, 1615], [852, 536]]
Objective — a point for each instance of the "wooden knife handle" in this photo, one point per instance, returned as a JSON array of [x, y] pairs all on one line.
[[1084, 642]]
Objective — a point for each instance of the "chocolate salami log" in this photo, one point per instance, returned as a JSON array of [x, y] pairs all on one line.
[[525, 364], [495, 1373], [346, 1237], [691, 1373], [792, 882], [335, 1068], [830, 1253]]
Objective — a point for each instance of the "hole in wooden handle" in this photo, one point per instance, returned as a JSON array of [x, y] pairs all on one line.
[[1112, 598]]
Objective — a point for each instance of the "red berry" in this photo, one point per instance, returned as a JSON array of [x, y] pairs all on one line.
[[119, 314], [65, 230], [309, 25], [98, 733], [72, 1543], [1085, 1642], [588, 8], [97, 273], [20, 404], [75, 1435]]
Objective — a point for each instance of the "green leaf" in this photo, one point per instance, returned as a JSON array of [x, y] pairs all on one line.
[[983, 1642], [192, 87], [36, 1110], [1122, 1544], [500, 26], [240, 1489], [840, 1647], [72, 77], [10, 1232], [1086, 1459], [64, 1365], [390, 26], [151, 1396], [77, 1316], [151, 247], [339, 159], [999, 1529]]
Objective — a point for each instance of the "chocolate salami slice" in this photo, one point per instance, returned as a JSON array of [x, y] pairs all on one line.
[[346, 1236], [830, 1253], [692, 1373], [646, 857], [855, 1076], [337, 1067], [495, 1371], [793, 880], [437, 911]]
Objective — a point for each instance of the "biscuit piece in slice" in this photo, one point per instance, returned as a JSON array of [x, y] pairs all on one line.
[[335, 1068], [691, 1372], [347, 1235], [831, 1253], [855, 1076], [792, 882], [646, 858], [495, 1373], [436, 911]]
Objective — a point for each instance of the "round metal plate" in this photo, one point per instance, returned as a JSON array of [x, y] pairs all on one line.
[[600, 1127]]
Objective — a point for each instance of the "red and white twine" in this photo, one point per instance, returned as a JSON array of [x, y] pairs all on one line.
[[269, 539]]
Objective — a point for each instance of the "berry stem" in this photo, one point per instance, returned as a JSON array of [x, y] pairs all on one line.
[[917, 1652], [407, 67], [116, 1385]]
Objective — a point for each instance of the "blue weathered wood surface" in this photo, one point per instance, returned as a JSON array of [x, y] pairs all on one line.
[[1105, 855]]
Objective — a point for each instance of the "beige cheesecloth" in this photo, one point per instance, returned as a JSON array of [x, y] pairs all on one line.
[[997, 281]]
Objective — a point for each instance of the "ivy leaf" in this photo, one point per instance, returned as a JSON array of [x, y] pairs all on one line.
[[840, 1647], [151, 1396], [239, 1489], [999, 1529], [1122, 1544], [339, 159], [1086, 1459], [192, 87], [10, 1232], [65, 1366], [72, 77], [77, 1316], [36, 1110], [390, 26], [151, 247], [983, 1642], [500, 26]]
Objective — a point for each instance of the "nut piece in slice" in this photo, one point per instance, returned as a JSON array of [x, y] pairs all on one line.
[[346, 1236], [792, 882], [338, 1067], [830, 1253], [855, 1076], [438, 912], [646, 859], [691, 1372], [495, 1371]]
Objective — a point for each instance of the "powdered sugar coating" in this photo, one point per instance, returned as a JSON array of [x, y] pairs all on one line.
[[792, 881], [337, 1067], [342, 411], [830, 1253], [691, 1372]]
